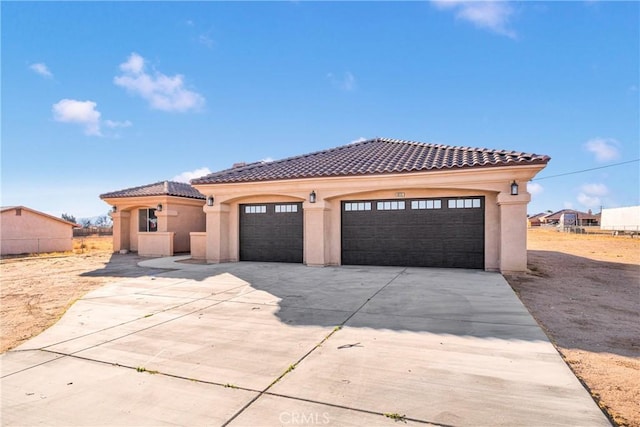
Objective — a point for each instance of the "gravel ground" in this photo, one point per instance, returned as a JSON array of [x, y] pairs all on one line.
[[584, 290]]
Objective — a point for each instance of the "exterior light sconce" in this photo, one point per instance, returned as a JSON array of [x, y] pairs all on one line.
[[210, 201], [115, 209], [514, 188], [159, 207], [312, 196]]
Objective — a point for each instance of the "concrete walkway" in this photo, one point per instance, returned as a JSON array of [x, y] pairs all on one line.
[[258, 344]]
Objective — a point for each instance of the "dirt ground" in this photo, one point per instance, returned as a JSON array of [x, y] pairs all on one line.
[[584, 290], [35, 291]]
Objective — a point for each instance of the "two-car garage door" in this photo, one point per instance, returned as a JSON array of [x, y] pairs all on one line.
[[435, 232], [439, 232]]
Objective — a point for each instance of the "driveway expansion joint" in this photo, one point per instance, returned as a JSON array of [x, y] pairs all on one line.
[[325, 339]]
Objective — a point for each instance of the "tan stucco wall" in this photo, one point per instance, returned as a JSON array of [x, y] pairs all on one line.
[[32, 232], [505, 215], [182, 220], [198, 245], [179, 215], [156, 244]]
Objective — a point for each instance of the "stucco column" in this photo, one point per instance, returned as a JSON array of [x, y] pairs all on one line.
[[164, 218], [513, 232], [121, 221], [217, 232], [316, 230]]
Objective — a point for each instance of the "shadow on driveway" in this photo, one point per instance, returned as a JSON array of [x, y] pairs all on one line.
[[440, 301], [247, 344]]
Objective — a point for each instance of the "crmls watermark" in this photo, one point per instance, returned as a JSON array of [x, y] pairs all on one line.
[[304, 418]]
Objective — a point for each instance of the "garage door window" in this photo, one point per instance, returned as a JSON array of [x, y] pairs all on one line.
[[390, 206], [464, 203], [286, 208], [426, 204], [256, 209], [357, 206]]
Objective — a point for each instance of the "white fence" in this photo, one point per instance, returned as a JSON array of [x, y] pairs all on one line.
[[596, 229]]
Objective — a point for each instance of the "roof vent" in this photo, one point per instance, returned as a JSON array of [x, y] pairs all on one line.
[[239, 165]]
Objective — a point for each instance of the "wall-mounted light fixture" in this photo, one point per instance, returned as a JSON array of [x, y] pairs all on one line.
[[159, 207], [210, 201], [115, 209], [514, 188], [312, 196]]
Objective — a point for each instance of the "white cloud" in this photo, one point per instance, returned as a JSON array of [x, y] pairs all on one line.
[[114, 124], [591, 194], [568, 205], [81, 112], [595, 189], [134, 65], [355, 141], [605, 149], [267, 160], [206, 40], [490, 15], [163, 92], [189, 175], [589, 201], [347, 82], [42, 69], [534, 188]]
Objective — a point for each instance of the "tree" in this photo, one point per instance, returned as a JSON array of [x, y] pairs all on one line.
[[102, 221], [69, 217], [86, 223]]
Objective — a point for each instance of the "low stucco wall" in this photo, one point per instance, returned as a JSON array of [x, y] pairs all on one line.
[[31, 232], [198, 245], [155, 244]]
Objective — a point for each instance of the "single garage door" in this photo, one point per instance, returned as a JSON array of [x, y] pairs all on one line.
[[271, 232], [438, 232]]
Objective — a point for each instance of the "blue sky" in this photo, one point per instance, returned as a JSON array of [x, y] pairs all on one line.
[[100, 96]]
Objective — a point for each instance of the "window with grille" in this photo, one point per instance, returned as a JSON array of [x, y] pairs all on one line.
[[464, 203], [426, 204], [255, 209], [357, 206], [390, 205], [286, 208]]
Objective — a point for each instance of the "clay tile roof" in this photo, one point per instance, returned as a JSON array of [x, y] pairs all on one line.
[[579, 214], [162, 188], [374, 156]]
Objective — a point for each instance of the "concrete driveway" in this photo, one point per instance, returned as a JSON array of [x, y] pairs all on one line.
[[253, 344]]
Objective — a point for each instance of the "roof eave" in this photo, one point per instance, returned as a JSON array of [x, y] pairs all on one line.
[[537, 162]]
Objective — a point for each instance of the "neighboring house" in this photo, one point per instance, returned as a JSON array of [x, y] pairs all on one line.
[[570, 217], [536, 220], [156, 219], [376, 202], [24, 231]]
